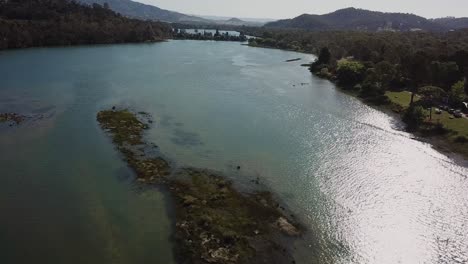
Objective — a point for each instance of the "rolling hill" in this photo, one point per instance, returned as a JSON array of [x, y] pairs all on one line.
[[360, 19]]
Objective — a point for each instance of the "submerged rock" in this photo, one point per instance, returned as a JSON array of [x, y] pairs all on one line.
[[13, 118]]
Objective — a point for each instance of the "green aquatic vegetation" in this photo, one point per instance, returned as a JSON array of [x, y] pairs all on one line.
[[124, 126], [127, 132]]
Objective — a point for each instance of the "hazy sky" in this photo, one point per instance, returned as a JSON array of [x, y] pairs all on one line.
[[292, 8]]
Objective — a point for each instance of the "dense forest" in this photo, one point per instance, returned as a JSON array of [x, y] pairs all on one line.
[[432, 65], [142, 11], [452, 22], [29, 23]]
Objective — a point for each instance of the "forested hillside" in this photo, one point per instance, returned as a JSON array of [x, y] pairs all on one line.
[[365, 20], [29, 23], [147, 12]]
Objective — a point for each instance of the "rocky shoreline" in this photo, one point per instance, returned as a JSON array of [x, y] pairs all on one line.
[[214, 222], [12, 118]]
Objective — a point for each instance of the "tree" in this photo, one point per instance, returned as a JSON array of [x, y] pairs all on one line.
[[444, 74], [29, 23], [416, 67], [414, 117], [324, 56], [466, 82], [322, 61], [457, 93], [386, 73], [432, 92], [349, 72]]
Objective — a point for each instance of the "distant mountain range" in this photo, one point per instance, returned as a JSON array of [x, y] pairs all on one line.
[[365, 20], [138, 10]]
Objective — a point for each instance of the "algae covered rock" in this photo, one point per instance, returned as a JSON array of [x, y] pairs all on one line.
[[222, 225], [14, 118], [215, 223]]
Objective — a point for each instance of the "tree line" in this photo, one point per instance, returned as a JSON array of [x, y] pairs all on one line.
[[432, 65], [206, 35], [30, 23], [373, 63]]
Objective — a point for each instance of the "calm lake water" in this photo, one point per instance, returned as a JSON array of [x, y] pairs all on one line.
[[367, 191]]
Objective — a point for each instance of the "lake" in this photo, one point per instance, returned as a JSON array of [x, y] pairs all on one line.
[[367, 191]]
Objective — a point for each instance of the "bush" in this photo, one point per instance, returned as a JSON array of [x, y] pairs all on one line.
[[430, 129], [461, 139], [350, 73], [414, 117], [457, 93], [371, 90]]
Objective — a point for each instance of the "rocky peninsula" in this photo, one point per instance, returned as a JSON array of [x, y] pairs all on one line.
[[214, 222]]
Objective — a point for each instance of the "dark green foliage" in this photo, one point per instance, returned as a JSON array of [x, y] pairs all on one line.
[[349, 73], [417, 68], [322, 61], [28, 23], [457, 93], [444, 74], [432, 94], [461, 139], [182, 34], [134, 9], [324, 56], [414, 117]]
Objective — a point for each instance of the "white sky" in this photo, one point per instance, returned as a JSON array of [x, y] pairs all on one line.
[[293, 8]]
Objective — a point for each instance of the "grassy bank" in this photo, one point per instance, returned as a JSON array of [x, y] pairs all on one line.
[[454, 137]]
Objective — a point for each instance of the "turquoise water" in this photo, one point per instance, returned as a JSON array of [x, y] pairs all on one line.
[[367, 191]]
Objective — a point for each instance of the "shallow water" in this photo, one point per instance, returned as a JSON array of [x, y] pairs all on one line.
[[367, 191]]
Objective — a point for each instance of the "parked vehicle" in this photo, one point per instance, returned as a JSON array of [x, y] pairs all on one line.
[[451, 111], [458, 114], [438, 111], [464, 107]]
